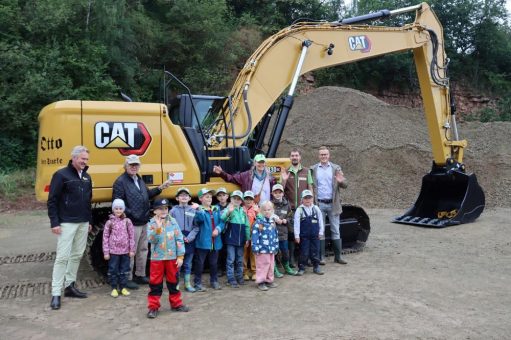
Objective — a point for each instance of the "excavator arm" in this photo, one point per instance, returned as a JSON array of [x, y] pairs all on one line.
[[303, 47]]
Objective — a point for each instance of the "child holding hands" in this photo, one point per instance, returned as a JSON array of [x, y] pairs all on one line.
[[265, 244], [236, 238], [167, 253], [118, 247], [184, 213]]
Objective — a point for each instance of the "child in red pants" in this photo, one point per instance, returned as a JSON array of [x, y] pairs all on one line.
[[167, 253]]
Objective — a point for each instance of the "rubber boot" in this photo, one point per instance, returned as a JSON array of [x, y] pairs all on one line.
[[337, 251], [276, 272], [291, 246], [188, 285], [288, 269], [322, 252]]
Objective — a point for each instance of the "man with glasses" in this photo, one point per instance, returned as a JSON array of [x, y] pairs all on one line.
[[328, 180], [134, 192]]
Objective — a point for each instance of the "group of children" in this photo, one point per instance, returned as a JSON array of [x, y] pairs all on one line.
[[191, 233]]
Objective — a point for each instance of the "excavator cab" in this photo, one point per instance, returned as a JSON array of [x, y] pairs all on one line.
[[447, 197]]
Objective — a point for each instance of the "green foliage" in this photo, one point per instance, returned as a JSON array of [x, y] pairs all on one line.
[[52, 50], [14, 183]]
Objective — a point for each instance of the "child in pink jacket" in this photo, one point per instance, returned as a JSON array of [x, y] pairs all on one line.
[[118, 247]]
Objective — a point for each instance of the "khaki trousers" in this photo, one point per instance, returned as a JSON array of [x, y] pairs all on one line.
[[140, 260], [70, 247]]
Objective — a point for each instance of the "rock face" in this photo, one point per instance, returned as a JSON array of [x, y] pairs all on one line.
[[385, 150]]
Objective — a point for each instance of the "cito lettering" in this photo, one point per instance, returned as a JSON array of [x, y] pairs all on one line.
[[48, 143]]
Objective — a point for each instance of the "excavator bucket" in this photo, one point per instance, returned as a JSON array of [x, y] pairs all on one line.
[[446, 198]]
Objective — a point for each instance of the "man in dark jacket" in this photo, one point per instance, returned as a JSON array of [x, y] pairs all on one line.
[[134, 192], [69, 210]]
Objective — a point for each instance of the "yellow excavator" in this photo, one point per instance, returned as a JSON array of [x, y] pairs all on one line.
[[186, 135]]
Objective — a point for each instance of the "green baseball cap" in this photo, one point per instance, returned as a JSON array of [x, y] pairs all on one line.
[[259, 158], [237, 193], [183, 189], [204, 191], [307, 193], [221, 190], [277, 187]]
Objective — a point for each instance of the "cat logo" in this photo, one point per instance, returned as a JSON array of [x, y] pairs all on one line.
[[359, 43], [130, 138]]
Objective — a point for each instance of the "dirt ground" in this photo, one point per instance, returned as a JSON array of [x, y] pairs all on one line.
[[409, 282]]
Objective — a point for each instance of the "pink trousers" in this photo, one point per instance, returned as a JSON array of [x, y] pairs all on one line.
[[265, 264]]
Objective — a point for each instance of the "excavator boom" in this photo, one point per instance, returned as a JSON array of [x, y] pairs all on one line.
[[277, 64]]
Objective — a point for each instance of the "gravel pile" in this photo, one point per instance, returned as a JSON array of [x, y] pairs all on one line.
[[385, 150]]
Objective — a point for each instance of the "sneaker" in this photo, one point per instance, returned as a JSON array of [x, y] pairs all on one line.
[[200, 288], [271, 285], [132, 285], [322, 262], [233, 284], [190, 289], [114, 293], [300, 272], [246, 277], [141, 280], [125, 292], [318, 271], [181, 308], [253, 277], [152, 313], [241, 282], [262, 287], [216, 286]]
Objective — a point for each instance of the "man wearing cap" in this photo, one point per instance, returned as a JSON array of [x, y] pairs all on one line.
[[295, 180], [258, 179], [69, 210], [134, 192], [328, 180]]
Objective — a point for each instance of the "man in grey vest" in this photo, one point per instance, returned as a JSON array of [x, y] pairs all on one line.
[[328, 180]]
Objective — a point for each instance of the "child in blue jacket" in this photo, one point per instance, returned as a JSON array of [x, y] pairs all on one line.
[[184, 213], [208, 241], [265, 244]]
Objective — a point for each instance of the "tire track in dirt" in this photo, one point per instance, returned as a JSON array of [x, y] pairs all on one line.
[[30, 289]]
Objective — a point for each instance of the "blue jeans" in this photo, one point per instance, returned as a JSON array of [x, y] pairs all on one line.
[[234, 267], [200, 257], [326, 210], [118, 270], [188, 260], [284, 251]]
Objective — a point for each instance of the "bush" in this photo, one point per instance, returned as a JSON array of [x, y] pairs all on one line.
[[15, 183]]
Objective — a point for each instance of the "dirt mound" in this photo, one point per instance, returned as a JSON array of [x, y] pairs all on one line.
[[385, 150]]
